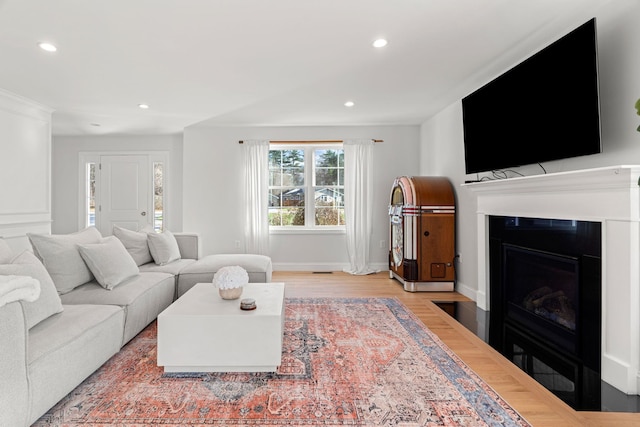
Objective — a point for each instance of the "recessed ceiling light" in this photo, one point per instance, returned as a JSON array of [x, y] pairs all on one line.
[[380, 43], [47, 46], [143, 106], [349, 104]]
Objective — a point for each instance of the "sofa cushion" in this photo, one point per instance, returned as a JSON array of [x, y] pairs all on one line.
[[59, 254], [109, 261], [48, 303], [164, 247], [14, 387], [6, 254], [143, 298], [259, 268], [136, 244], [174, 267], [68, 347]]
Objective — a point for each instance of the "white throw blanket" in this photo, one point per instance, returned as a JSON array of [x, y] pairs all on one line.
[[18, 288]]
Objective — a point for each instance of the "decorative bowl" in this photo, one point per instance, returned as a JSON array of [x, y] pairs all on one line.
[[230, 280], [231, 293]]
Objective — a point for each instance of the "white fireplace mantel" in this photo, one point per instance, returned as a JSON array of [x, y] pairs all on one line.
[[608, 195]]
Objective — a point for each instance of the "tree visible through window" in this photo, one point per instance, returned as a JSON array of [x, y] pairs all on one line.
[[329, 187], [306, 187]]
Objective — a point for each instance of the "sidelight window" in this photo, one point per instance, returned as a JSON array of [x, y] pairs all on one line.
[[158, 196], [90, 196]]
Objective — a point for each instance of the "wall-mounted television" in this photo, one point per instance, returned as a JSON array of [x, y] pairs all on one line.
[[545, 108]]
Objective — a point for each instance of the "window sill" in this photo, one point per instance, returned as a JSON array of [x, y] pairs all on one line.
[[307, 230]]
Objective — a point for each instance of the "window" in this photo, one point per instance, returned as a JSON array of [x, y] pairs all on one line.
[[90, 196], [158, 197], [306, 187]]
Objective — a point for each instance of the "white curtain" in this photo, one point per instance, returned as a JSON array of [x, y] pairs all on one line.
[[256, 176], [358, 194]]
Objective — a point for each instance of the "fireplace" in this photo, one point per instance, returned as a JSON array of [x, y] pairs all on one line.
[[608, 196], [542, 293], [545, 291]]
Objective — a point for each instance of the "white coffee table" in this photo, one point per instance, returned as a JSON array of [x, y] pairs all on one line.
[[201, 332]]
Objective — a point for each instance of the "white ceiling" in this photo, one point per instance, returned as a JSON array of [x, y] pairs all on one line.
[[264, 62]]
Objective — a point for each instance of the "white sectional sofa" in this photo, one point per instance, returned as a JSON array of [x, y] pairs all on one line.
[[95, 295]]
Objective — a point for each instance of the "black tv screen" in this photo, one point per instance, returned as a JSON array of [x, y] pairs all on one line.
[[545, 108]]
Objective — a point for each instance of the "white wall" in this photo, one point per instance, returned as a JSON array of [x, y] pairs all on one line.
[[65, 157], [442, 150], [25, 169], [442, 154], [212, 190]]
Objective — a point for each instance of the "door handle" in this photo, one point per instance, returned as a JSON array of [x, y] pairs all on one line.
[[143, 213]]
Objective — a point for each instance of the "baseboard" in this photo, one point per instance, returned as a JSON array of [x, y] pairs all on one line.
[[481, 301], [467, 291], [321, 266], [617, 373]]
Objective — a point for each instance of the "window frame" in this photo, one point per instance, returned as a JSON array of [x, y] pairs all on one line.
[[309, 209]]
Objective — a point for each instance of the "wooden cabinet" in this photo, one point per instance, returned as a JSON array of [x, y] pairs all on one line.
[[422, 233]]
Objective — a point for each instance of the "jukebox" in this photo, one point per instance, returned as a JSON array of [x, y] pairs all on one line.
[[422, 226]]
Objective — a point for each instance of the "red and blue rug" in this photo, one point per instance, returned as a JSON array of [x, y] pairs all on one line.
[[345, 362]]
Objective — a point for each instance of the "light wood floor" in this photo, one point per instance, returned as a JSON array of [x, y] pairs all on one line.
[[536, 404]]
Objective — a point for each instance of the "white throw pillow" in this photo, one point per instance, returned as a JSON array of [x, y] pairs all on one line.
[[48, 303], [164, 247], [6, 253], [136, 244], [59, 254], [109, 261]]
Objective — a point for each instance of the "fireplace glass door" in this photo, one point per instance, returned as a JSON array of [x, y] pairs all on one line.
[[542, 293], [546, 290]]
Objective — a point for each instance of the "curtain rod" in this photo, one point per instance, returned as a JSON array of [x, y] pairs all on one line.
[[325, 141]]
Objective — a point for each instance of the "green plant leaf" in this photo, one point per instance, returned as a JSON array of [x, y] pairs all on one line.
[[638, 106]]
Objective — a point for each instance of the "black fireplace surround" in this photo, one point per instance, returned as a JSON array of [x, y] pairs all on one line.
[[545, 301]]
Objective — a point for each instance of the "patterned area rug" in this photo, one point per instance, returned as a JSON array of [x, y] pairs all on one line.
[[346, 362]]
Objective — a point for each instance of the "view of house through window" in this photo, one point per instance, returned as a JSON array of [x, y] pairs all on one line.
[[306, 187]]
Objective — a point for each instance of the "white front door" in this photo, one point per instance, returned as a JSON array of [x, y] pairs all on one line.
[[125, 193]]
